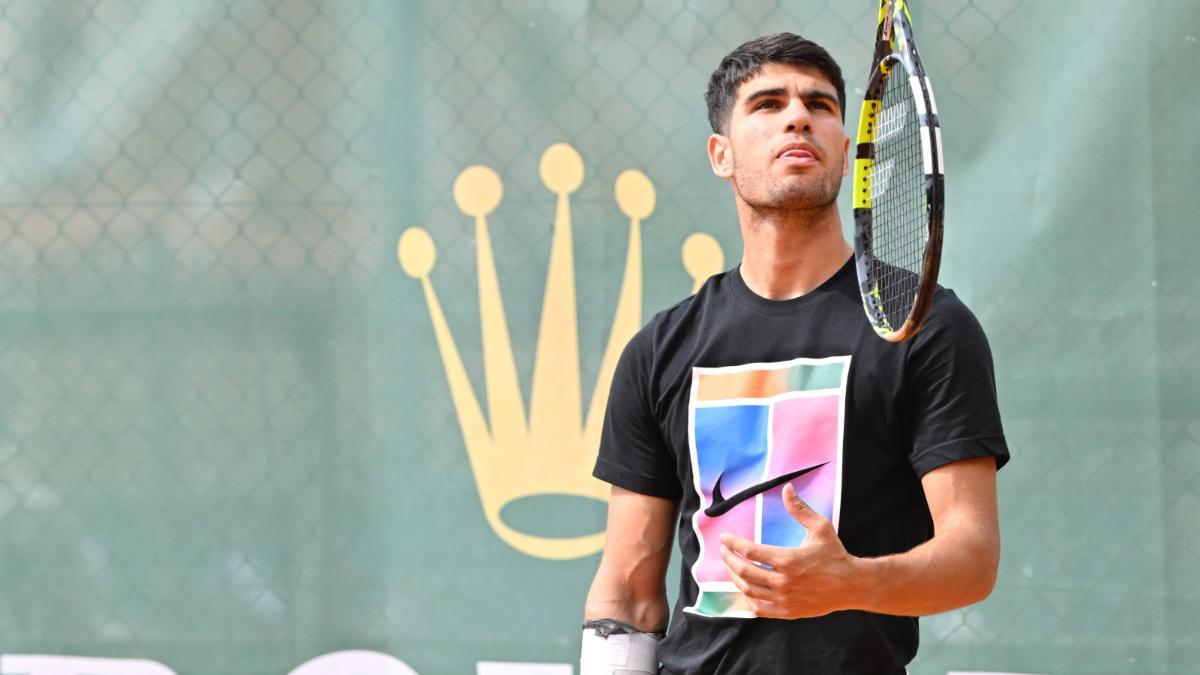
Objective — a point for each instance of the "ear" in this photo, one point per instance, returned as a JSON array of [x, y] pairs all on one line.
[[845, 156], [720, 155]]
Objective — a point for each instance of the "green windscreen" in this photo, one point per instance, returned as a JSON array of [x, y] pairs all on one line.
[[247, 424]]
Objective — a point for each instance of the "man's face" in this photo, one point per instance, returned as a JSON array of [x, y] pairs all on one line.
[[784, 147]]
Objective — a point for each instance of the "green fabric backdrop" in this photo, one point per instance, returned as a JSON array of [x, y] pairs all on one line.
[[227, 442]]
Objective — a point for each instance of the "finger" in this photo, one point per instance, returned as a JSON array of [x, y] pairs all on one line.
[[747, 588], [738, 581], [767, 609], [768, 555], [742, 584], [802, 512], [752, 573]]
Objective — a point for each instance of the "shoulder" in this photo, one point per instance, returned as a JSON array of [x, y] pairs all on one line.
[[950, 345], [679, 321], [950, 320], [952, 342]]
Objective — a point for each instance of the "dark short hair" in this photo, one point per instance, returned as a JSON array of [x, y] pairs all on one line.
[[747, 60]]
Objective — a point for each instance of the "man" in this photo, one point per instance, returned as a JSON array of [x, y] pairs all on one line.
[[769, 384]]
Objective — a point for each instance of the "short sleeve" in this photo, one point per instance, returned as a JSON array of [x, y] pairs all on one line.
[[951, 388], [633, 453]]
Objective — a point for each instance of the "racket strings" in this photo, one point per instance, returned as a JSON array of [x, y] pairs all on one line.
[[899, 210], [891, 120]]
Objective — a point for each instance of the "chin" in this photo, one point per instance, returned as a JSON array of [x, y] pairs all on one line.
[[801, 201]]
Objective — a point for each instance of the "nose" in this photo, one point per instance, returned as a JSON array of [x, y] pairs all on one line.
[[797, 116]]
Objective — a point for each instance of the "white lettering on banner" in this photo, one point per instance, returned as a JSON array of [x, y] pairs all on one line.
[[505, 668], [354, 662], [983, 673], [37, 664]]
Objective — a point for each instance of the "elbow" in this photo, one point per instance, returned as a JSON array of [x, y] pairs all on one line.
[[986, 564], [980, 590]]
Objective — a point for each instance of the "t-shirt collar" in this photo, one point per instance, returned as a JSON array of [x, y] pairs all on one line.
[[756, 303]]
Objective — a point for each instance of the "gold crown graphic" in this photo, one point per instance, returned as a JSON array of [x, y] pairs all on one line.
[[553, 452]]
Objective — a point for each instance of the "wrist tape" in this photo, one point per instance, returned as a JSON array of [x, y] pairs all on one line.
[[614, 648]]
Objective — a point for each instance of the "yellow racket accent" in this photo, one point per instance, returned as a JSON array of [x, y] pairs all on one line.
[[862, 182], [889, 34], [863, 167], [866, 120]]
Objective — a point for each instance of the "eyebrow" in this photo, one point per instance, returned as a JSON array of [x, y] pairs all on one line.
[[807, 95]]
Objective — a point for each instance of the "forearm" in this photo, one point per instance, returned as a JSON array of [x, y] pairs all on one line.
[[954, 569], [628, 589], [638, 601], [630, 584]]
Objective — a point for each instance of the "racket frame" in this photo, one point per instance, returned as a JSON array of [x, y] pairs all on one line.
[[896, 56]]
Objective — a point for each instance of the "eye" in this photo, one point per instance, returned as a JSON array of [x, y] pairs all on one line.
[[766, 103], [820, 104]]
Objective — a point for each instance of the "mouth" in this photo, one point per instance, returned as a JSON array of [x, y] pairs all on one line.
[[798, 152]]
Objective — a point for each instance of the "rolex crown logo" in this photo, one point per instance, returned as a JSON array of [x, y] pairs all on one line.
[[553, 451]]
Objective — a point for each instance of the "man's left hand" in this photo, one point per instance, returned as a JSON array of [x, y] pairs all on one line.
[[814, 579]]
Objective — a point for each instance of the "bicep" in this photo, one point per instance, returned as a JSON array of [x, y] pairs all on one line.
[[962, 498]]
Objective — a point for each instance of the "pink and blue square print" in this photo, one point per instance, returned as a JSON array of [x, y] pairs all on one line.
[[754, 428]]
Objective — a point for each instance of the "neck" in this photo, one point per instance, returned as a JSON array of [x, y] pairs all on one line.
[[789, 253]]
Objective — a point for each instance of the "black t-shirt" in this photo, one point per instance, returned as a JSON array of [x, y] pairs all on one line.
[[722, 398]]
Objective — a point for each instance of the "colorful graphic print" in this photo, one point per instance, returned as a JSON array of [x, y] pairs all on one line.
[[751, 426]]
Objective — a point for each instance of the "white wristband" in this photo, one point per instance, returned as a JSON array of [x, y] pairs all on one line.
[[618, 654]]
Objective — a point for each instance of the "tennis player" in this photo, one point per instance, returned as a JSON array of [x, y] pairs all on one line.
[[827, 487]]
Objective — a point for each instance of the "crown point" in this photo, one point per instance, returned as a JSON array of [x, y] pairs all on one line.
[[635, 194], [562, 169], [478, 190], [702, 256], [416, 252]]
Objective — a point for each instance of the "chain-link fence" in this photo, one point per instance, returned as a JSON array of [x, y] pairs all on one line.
[[226, 439]]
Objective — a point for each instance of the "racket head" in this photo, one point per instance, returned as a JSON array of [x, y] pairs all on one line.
[[898, 184]]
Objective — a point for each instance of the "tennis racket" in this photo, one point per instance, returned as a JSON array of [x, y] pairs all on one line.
[[898, 181]]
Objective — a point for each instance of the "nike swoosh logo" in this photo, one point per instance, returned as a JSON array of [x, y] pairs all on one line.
[[722, 504]]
